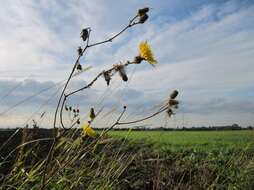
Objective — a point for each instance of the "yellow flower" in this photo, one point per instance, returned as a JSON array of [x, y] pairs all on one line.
[[146, 52], [87, 130]]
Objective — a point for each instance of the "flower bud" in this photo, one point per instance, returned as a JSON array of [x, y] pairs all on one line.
[[107, 77], [80, 51], [92, 114], [169, 112], [66, 108], [143, 18], [84, 34], [174, 94], [79, 67], [143, 11], [173, 102]]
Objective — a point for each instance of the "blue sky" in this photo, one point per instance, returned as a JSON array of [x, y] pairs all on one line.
[[204, 49]]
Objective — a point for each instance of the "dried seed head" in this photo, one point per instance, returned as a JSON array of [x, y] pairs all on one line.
[[122, 72], [84, 34], [143, 11], [74, 111], [107, 77], [138, 59], [66, 108], [173, 102], [174, 94], [92, 113], [169, 112], [77, 110], [143, 18], [79, 67], [78, 121], [80, 51], [70, 108]]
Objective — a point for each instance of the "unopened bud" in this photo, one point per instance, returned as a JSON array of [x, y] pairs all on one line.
[[79, 67], [173, 102], [92, 113], [80, 51], [174, 94], [107, 77], [169, 112], [84, 34]]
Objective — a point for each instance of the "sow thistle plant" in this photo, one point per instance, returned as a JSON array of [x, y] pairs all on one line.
[[65, 151]]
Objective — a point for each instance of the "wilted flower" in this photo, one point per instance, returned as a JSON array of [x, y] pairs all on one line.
[[146, 52], [80, 51], [143, 18], [92, 114], [84, 34], [88, 131], [122, 72]]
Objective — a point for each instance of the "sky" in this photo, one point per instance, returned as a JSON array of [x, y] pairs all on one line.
[[204, 49]]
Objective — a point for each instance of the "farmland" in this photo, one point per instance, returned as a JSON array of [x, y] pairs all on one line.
[[202, 140], [139, 160]]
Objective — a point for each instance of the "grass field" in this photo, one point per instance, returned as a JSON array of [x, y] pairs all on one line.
[[192, 139], [138, 160]]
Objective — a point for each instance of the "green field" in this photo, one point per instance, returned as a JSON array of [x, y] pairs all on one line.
[[138, 160], [191, 139]]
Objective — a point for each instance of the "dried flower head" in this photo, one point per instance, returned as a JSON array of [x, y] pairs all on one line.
[[88, 131], [122, 72], [143, 11], [143, 18], [146, 53]]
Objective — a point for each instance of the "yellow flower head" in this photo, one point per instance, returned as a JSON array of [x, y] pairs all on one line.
[[146, 53], [88, 131]]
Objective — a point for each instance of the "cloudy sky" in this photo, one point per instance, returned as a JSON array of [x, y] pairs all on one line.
[[205, 50]]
